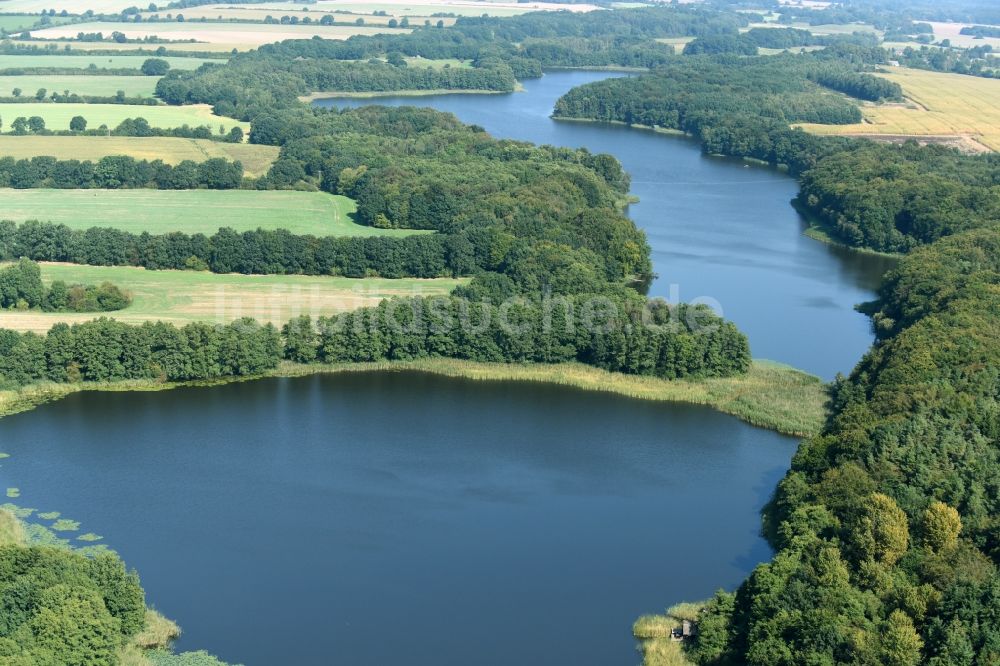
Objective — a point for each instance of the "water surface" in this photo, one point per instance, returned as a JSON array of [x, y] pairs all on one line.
[[403, 518]]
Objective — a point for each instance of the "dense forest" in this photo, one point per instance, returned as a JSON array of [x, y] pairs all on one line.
[[886, 526], [45, 591], [694, 93]]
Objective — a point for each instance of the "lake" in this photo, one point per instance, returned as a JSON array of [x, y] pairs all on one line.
[[404, 518]]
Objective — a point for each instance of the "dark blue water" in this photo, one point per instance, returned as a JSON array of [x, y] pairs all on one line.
[[721, 230], [405, 519]]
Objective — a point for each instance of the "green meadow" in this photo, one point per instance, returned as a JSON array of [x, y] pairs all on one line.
[[57, 116], [190, 211], [82, 61], [105, 86]]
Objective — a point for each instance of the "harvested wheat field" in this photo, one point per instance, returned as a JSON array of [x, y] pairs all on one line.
[[256, 159], [964, 109]]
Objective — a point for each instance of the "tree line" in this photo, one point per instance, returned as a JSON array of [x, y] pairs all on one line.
[[857, 84], [612, 333], [261, 252], [139, 126], [227, 87], [120, 172]]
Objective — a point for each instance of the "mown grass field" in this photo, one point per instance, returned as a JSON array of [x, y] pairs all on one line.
[[104, 86], [236, 35], [57, 116], [256, 159], [939, 105], [181, 297], [190, 211], [84, 61]]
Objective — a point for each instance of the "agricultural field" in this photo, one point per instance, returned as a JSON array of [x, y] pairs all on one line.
[[57, 116], [99, 61], [232, 35], [794, 49], [825, 29], [81, 48], [417, 61], [256, 159], [939, 107], [191, 211], [103, 86], [71, 6], [953, 32], [16, 22], [677, 42], [429, 7], [253, 13], [181, 297]]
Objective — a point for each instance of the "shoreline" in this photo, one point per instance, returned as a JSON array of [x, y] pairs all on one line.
[[648, 128], [816, 230], [771, 395]]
